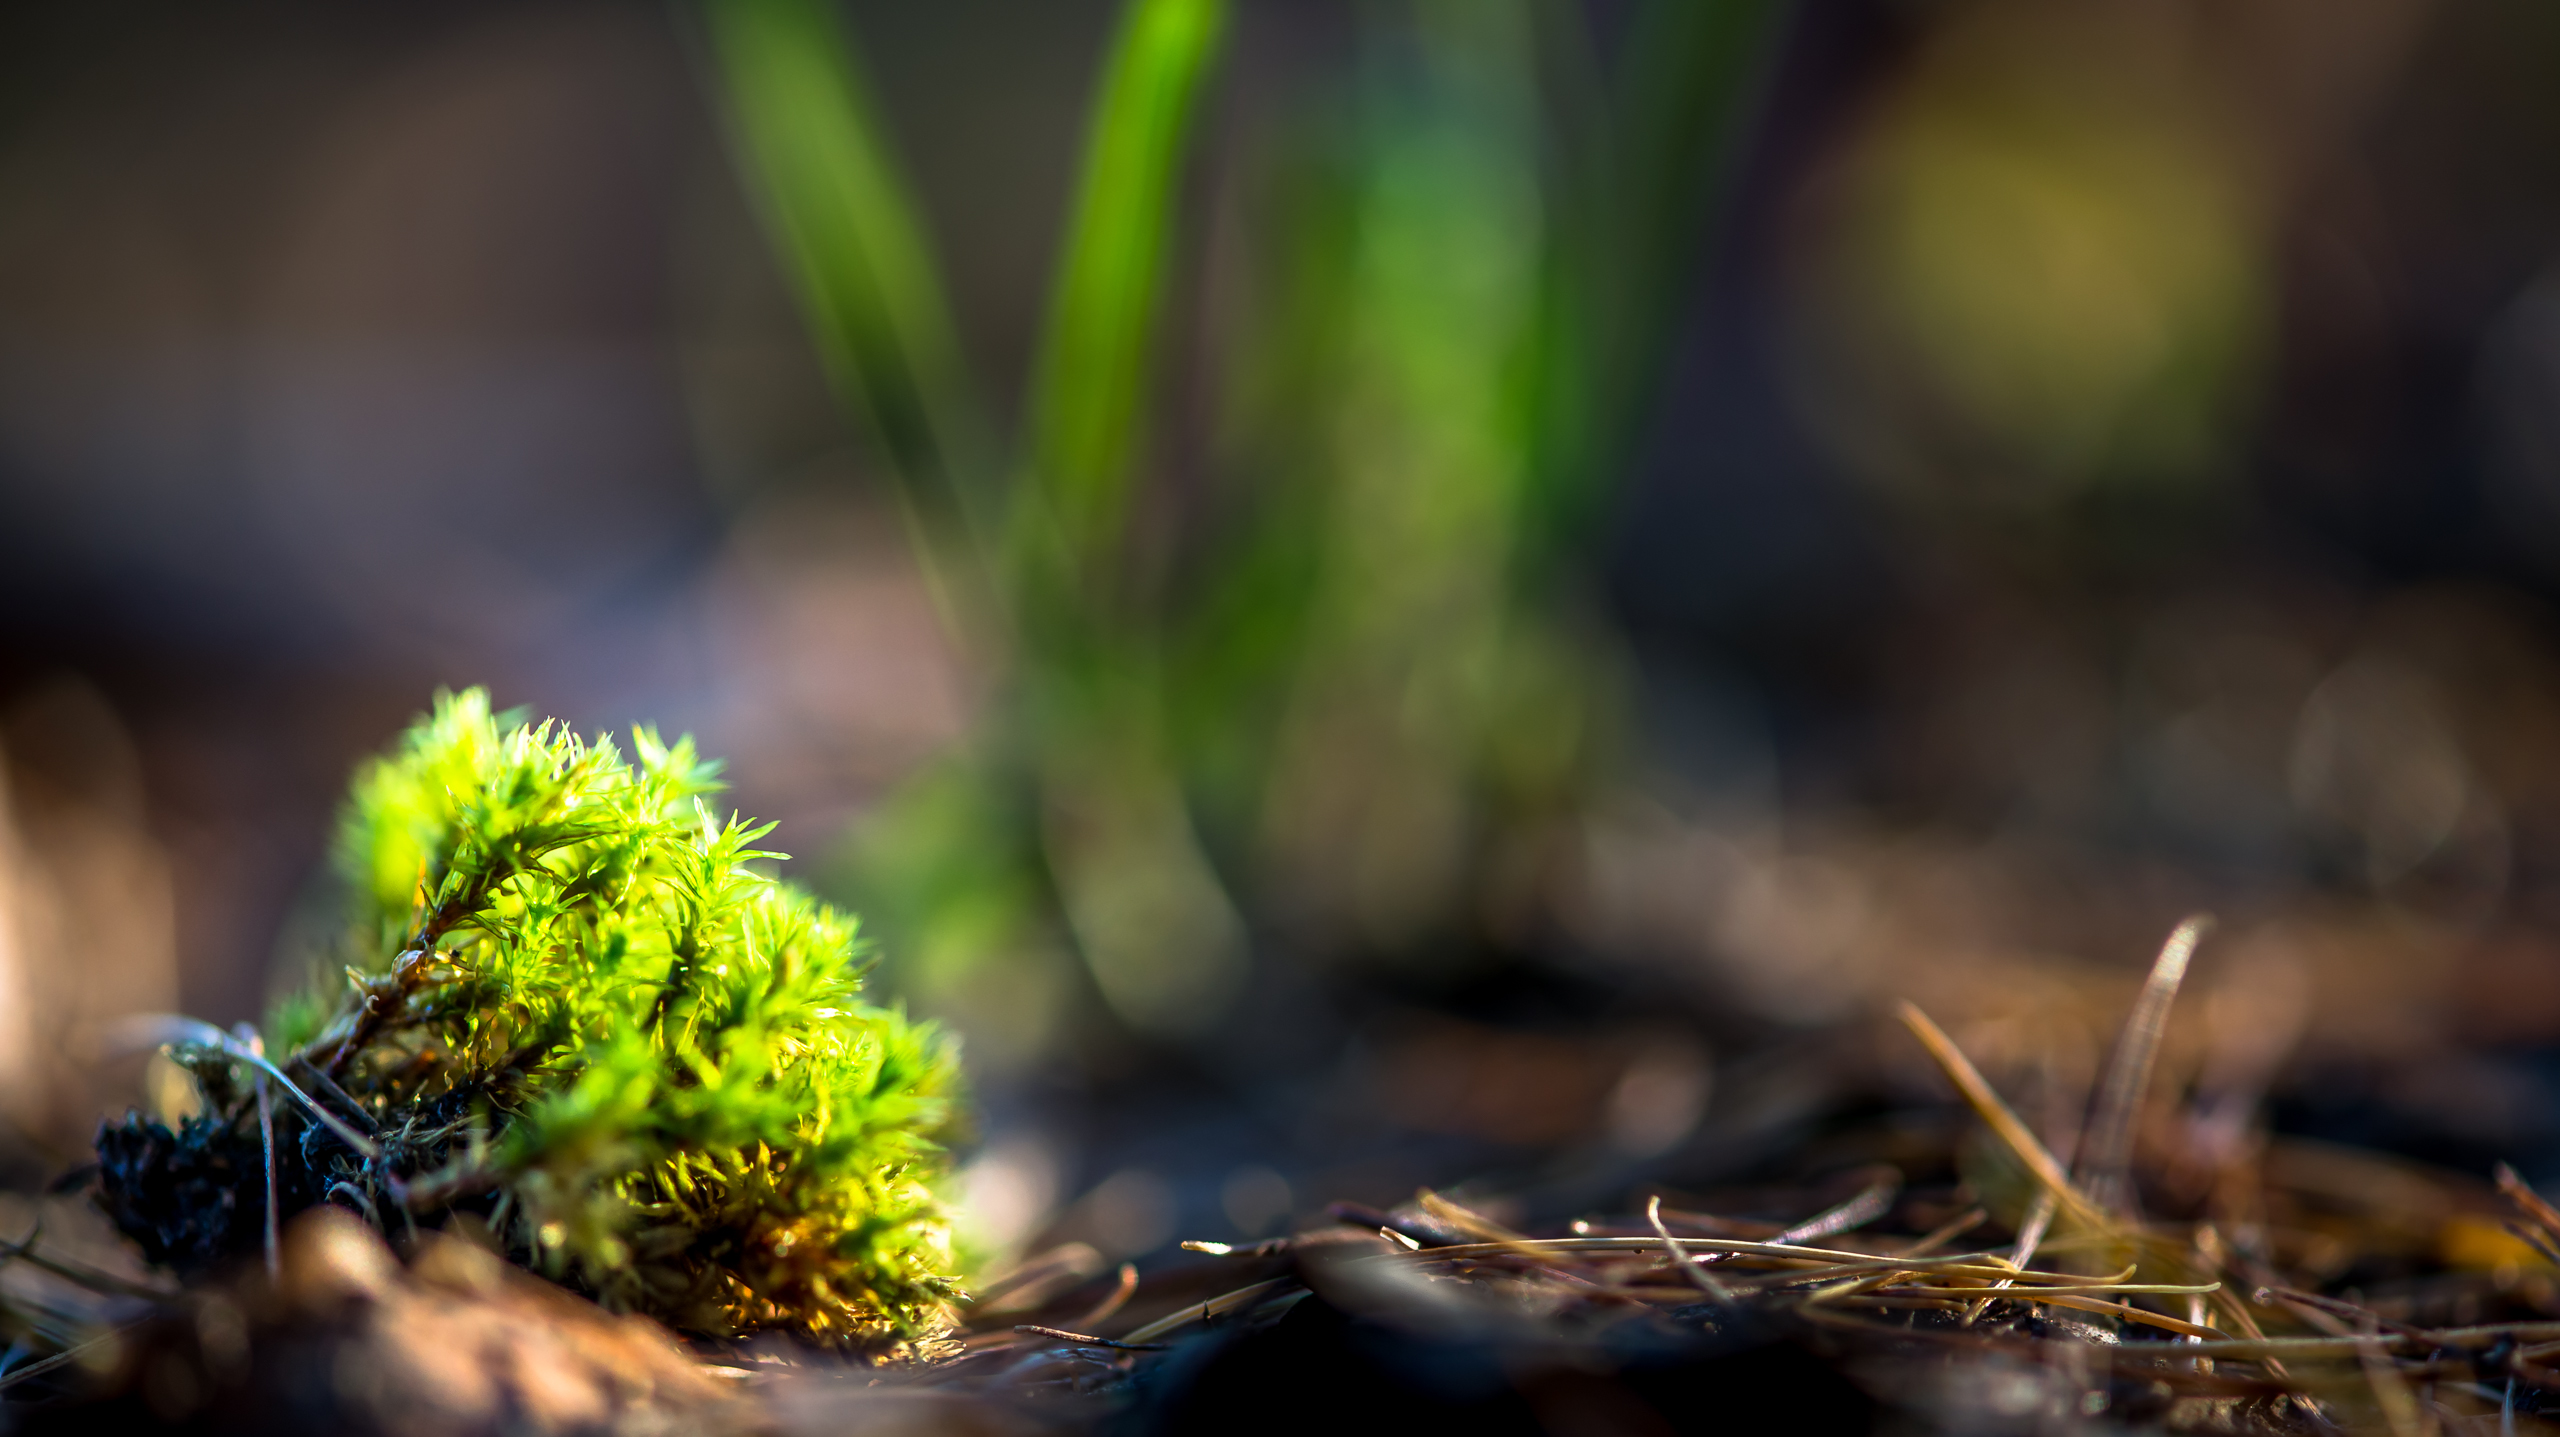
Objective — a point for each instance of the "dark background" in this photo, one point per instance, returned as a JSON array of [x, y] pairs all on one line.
[[347, 351]]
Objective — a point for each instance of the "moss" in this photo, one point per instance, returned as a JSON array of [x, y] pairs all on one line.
[[580, 1008]]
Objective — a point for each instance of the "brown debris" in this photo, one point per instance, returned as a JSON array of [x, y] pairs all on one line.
[[350, 1341], [2233, 1283]]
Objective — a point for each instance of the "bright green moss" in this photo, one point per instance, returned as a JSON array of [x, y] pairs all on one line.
[[578, 1007]]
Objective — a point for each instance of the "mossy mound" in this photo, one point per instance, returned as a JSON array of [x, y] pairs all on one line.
[[579, 1008]]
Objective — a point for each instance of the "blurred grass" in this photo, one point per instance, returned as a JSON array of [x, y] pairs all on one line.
[[1652, 152], [1354, 690], [1089, 397], [854, 248]]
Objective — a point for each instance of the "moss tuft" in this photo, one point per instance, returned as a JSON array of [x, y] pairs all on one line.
[[581, 1009]]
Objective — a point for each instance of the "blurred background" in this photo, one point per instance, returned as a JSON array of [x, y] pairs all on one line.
[[1360, 594]]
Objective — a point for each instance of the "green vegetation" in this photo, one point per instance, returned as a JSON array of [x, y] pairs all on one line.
[[577, 1009], [1336, 667]]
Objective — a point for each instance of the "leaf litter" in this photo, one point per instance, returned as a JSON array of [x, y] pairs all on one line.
[[2036, 1293], [2077, 1310]]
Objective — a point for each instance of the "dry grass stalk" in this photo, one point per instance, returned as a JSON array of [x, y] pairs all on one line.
[[2237, 1333]]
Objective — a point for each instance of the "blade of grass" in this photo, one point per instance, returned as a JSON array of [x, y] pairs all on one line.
[[2106, 1158], [1655, 154], [1148, 911], [1088, 394], [854, 249], [1687, 93]]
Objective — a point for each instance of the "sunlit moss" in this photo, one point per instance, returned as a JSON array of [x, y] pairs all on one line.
[[580, 995]]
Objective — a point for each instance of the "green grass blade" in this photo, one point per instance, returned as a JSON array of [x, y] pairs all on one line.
[[1654, 158], [1691, 73], [1088, 396], [850, 238]]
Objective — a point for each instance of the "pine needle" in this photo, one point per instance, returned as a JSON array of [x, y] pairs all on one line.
[[1997, 1116], [2106, 1157]]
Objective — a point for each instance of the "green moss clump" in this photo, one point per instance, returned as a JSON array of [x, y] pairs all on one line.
[[579, 1009]]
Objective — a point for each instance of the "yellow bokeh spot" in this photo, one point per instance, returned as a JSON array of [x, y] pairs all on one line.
[[2021, 287], [2480, 1244]]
